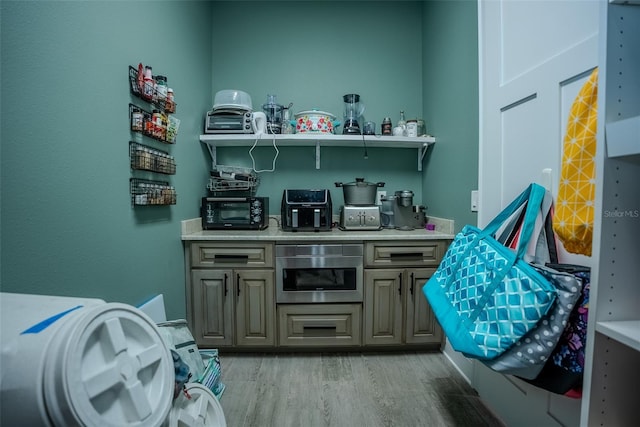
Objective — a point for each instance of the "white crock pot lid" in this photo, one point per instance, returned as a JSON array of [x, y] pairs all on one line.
[[202, 410], [111, 368], [315, 112]]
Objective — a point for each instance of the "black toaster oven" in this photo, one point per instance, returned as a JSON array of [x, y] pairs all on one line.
[[240, 213]]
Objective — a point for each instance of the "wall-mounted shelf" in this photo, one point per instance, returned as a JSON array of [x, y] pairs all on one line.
[[421, 143], [625, 331]]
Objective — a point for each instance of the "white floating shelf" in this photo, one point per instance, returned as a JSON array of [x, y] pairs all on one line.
[[625, 331], [421, 143]]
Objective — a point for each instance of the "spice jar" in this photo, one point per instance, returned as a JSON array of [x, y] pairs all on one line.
[[161, 88], [148, 85], [136, 119], [171, 105], [157, 124], [412, 128], [386, 126]]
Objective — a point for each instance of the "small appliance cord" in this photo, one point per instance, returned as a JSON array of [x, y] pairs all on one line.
[[273, 163], [364, 143]]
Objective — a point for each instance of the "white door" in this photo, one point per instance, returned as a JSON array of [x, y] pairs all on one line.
[[534, 57]]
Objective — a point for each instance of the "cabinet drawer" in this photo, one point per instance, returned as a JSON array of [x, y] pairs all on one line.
[[404, 254], [306, 325], [225, 255]]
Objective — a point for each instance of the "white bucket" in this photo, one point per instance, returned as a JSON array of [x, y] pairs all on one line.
[[200, 409], [81, 362]]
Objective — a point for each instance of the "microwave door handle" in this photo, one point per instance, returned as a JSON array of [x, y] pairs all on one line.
[[294, 218], [316, 218]]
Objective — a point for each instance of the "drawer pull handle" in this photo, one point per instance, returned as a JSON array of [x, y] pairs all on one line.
[[407, 255], [226, 287], [334, 327], [411, 287], [222, 258]]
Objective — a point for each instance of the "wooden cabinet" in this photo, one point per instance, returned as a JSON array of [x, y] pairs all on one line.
[[326, 325], [229, 300], [395, 309]]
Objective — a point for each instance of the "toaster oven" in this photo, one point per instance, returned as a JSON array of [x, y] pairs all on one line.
[[228, 121], [240, 213]]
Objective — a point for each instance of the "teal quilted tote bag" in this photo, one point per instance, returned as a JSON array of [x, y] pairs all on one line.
[[484, 295]]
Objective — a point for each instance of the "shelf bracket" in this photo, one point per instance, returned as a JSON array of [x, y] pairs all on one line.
[[212, 152], [317, 155], [421, 152]]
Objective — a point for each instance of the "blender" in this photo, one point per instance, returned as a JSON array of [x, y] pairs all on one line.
[[352, 114], [273, 111]]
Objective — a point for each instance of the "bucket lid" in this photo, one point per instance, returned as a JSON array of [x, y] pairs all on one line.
[[110, 367], [201, 410]]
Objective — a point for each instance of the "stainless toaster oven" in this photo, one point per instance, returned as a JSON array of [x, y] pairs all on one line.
[[228, 121]]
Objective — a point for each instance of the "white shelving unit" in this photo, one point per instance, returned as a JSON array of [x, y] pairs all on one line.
[[420, 144], [612, 371]]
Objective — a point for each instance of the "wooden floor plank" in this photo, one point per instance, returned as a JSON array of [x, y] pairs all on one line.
[[348, 389]]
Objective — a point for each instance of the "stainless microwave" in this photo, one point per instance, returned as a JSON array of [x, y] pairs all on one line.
[[228, 121], [240, 213]]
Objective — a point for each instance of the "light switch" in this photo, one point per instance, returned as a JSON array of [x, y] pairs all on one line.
[[474, 200]]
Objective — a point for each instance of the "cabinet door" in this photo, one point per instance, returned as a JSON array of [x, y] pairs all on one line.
[[383, 306], [212, 314], [421, 324], [255, 307]]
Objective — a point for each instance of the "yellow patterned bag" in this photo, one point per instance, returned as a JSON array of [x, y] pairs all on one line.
[[573, 222]]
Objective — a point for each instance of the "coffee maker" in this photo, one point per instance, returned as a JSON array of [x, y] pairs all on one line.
[[353, 111], [397, 211]]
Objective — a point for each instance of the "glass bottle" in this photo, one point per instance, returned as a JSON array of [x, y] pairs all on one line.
[[402, 122], [149, 83]]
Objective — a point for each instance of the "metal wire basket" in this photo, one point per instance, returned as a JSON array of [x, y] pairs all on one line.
[[232, 181]]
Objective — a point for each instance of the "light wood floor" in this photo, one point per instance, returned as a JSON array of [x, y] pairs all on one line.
[[348, 389]]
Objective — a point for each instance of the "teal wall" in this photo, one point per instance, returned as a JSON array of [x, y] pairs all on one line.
[[311, 53], [450, 96], [67, 224], [67, 227]]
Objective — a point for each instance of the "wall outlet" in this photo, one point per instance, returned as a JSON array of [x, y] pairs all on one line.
[[474, 201], [379, 195]]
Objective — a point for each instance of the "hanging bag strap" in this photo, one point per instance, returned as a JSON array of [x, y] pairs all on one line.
[[533, 197]]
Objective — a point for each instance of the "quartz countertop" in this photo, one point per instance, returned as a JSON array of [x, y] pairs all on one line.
[[192, 231]]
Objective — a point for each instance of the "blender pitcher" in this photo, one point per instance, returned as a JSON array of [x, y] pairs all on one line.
[[353, 111], [273, 111]]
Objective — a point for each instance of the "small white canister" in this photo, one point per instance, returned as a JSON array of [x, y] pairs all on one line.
[[412, 128]]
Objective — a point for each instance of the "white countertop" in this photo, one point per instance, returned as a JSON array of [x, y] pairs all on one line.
[[192, 230]]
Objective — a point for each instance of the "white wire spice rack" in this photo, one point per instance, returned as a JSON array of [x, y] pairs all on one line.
[[232, 181]]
